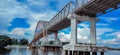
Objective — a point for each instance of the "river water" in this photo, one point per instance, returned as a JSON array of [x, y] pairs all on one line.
[[26, 51]]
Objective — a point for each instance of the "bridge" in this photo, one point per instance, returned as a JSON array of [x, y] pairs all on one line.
[[72, 14]]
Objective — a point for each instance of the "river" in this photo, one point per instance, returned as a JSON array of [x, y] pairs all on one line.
[[26, 51]]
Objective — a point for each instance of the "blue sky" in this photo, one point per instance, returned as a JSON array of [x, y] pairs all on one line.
[[18, 19]]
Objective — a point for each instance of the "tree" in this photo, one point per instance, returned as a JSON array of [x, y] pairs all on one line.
[[5, 40], [23, 41], [14, 41]]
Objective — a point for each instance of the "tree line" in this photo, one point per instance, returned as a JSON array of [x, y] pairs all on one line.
[[6, 40]]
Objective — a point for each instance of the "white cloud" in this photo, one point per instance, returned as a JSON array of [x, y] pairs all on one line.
[[102, 24], [46, 16], [112, 19], [112, 41], [10, 9], [101, 31], [38, 2], [115, 40], [18, 31], [64, 37], [83, 25], [109, 19], [83, 35], [118, 35], [113, 34]]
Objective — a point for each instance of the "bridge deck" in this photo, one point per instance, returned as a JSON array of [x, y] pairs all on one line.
[[93, 7], [62, 24]]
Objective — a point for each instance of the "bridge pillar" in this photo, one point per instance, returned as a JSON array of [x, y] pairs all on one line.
[[45, 41], [56, 34], [57, 41], [73, 37], [93, 31]]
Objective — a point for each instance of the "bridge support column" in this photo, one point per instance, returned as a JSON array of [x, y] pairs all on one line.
[[45, 41], [73, 37], [93, 31], [57, 41], [56, 35]]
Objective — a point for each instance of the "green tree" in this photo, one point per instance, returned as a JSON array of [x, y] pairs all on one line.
[[23, 41], [5, 40], [14, 41]]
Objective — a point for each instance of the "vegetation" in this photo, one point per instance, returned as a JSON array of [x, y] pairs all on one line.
[[23, 41], [14, 41], [6, 40]]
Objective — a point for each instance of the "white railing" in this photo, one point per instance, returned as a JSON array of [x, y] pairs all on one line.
[[61, 14], [69, 8], [80, 3]]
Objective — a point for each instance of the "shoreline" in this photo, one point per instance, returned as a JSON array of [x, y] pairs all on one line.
[[17, 46]]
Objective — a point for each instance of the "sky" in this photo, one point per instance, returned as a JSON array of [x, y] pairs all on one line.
[[18, 19]]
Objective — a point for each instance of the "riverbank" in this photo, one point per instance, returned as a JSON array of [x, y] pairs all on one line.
[[17, 46]]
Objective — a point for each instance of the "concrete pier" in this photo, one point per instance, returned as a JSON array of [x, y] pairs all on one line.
[[46, 48], [80, 53]]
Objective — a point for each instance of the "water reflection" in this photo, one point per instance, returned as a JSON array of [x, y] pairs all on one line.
[[26, 51], [41, 52], [35, 51], [4, 51]]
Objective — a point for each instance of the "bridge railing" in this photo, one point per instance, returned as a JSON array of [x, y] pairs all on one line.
[[61, 14], [80, 3], [69, 8], [39, 28]]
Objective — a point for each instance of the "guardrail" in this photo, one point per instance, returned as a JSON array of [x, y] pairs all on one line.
[[61, 15], [68, 8]]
